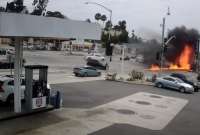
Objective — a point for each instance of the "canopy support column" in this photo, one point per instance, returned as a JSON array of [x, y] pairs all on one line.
[[17, 72]]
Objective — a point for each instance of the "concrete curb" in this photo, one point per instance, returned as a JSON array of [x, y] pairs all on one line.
[[135, 83]]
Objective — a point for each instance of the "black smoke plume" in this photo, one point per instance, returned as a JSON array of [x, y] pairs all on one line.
[[184, 37]]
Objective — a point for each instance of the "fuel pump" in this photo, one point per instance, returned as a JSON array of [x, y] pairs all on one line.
[[37, 94]]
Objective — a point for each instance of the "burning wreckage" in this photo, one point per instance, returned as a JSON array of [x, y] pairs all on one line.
[[182, 52]]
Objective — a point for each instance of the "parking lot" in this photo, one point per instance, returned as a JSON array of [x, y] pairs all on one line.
[[61, 65], [86, 109]]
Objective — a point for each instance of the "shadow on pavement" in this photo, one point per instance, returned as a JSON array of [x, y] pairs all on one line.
[[29, 123], [124, 129]]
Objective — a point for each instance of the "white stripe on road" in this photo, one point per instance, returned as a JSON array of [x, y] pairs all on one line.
[[142, 109]]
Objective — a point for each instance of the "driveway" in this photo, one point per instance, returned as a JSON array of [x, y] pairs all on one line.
[[106, 108]]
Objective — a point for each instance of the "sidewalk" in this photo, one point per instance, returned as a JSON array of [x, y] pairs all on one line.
[[123, 78]]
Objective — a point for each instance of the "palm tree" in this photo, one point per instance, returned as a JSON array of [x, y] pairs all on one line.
[[97, 16], [2, 9], [103, 18], [108, 25], [122, 25]]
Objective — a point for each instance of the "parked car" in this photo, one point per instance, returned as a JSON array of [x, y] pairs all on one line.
[[140, 58], [184, 79], [125, 58], [2, 51], [95, 56], [173, 83], [86, 72], [11, 51], [6, 65], [7, 89], [97, 64]]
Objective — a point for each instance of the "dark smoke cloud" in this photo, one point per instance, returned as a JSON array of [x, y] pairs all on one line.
[[184, 37]]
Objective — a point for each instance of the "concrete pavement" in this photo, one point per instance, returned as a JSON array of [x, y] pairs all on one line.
[[105, 108]]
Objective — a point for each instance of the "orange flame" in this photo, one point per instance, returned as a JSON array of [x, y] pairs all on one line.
[[183, 62], [154, 67]]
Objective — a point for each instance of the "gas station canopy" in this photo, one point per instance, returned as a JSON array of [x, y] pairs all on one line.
[[23, 25], [19, 26]]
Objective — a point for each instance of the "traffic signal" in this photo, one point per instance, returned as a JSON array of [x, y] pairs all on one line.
[[158, 56], [109, 49], [165, 48]]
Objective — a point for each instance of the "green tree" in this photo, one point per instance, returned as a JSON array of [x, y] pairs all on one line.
[[121, 27], [39, 7], [103, 18], [134, 38], [108, 25]]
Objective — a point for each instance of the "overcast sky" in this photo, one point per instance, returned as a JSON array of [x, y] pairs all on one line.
[[144, 16]]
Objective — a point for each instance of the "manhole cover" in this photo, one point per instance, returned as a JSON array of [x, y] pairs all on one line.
[[147, 117], [126, 112], [154, 96], [143, 103]]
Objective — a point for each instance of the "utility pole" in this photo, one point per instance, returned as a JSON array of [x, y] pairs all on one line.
[[163, 44], [163, 39]]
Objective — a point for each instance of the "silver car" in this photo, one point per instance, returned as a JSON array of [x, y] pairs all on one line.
[[173, 83]]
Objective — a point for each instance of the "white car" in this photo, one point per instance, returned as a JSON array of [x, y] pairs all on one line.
[[95, 56], [140, 58], [7, 89]]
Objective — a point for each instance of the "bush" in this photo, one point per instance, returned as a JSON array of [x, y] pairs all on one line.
[[121, 79], [111, 77], [134, 75]]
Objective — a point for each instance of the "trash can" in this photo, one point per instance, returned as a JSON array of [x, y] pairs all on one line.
[[56, 100]]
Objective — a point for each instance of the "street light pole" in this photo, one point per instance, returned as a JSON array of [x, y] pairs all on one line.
[[110, 11], [163, 40], [163, 43]]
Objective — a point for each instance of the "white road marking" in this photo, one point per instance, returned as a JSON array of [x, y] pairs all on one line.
[[142, 109]]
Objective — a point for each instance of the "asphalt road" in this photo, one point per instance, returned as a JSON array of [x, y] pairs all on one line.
[[87, 95], [91, 94], [58, 61]]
